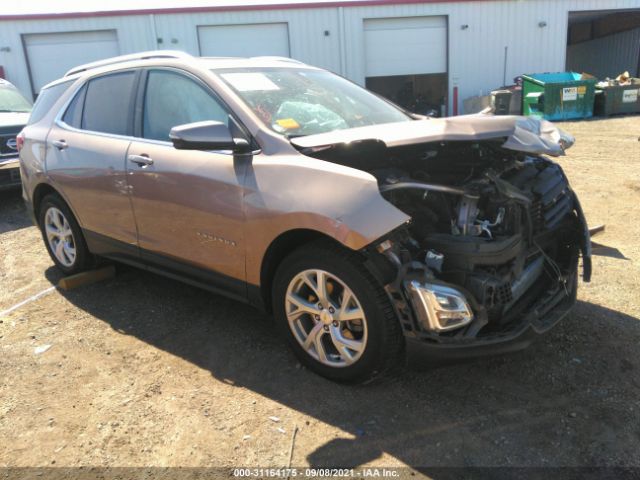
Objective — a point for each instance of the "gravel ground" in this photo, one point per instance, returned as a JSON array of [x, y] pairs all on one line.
[[145, 371]]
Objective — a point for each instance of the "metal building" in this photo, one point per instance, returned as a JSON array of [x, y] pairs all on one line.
[[429, 51]]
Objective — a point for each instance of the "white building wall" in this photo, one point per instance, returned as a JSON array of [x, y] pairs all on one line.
[[307, 41], [134, 34], [475, 55]]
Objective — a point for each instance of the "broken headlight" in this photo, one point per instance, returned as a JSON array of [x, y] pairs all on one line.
[[439, 308]]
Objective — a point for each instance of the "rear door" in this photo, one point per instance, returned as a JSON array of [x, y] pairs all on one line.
[[87, 150], [187, 203]]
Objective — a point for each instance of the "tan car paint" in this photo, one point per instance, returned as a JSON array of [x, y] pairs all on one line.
[[91, 172], [196, 206], [524, 134], [214, 210], [294, 192], [186, 200]]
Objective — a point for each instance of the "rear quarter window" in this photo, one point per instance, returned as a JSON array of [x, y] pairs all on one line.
[[47, 98], [73, 115]]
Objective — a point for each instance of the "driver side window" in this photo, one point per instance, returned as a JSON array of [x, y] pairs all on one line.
[[173, 99]]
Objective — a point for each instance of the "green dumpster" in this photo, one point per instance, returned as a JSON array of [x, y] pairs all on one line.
[[615, 99], [558, 96]]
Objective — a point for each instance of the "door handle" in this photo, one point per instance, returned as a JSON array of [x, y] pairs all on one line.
[[60, 144], [140, 160]]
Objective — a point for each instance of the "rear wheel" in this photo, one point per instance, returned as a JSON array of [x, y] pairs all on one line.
[[335, 315], [63, 237]]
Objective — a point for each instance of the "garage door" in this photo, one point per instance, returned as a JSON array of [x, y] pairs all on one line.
[[244, 40], [405, 46], [50, 55]]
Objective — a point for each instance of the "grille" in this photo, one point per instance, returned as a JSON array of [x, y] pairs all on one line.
[[553, 199], [489, 290], [503, 293], [537, 215], [9, 176], [6, 151], [553, 195]]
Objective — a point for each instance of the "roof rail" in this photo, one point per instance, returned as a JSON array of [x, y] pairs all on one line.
[[128, 58]]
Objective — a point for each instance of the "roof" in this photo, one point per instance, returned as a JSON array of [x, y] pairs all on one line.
[[46, 9], [172, 57], [158, 56]]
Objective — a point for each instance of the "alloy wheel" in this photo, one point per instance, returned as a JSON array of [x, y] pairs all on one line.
[[326, 318], [60, 236]]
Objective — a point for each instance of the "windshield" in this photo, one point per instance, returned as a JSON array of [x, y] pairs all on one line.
[[12, 101], [297, 102]]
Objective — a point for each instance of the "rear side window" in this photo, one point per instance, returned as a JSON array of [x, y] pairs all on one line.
[[46, 99], [108, 102], [173, 99], [73, 115]]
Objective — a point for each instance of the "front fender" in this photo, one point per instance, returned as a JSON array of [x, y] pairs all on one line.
[[303, 193]]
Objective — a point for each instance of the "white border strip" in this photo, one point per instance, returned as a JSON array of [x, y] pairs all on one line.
[[46, 291]]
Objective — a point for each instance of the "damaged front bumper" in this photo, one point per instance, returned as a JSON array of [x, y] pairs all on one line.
[[536, 306], [540, 318]]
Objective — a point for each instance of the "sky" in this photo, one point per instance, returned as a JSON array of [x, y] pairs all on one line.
[[26, 7]]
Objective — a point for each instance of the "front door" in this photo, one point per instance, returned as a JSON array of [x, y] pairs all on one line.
[[187, 203]]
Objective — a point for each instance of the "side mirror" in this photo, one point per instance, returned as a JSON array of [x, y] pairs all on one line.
[[207, 135]]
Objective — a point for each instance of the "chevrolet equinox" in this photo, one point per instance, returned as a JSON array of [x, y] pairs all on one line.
[[371, 234]]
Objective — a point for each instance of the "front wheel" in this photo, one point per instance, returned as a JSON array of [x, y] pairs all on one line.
[[335, 315]]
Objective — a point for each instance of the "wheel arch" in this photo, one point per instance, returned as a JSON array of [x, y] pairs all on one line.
[[41, 191], [277, 251]]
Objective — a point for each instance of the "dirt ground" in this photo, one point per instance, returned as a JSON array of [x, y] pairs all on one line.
[[145, 371]]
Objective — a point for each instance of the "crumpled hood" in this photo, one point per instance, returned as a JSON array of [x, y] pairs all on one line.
[[523, 134]]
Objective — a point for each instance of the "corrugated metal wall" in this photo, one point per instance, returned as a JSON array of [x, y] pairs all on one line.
[[135, 34], [607, 56], [306, 30], [476, 54]]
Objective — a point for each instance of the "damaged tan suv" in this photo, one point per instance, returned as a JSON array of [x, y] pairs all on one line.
[[370, 233]]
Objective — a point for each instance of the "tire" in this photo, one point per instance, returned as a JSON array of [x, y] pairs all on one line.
[[55, 215], [367, 322]]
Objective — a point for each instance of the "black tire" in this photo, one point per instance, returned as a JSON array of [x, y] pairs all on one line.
[[84, 260], [384, 351]]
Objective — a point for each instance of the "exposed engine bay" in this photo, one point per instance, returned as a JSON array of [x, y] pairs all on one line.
[[493, 243]]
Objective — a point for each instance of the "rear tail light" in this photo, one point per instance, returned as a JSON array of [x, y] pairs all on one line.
[[20, 141]]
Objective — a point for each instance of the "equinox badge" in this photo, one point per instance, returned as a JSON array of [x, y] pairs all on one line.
[[214, 238]]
